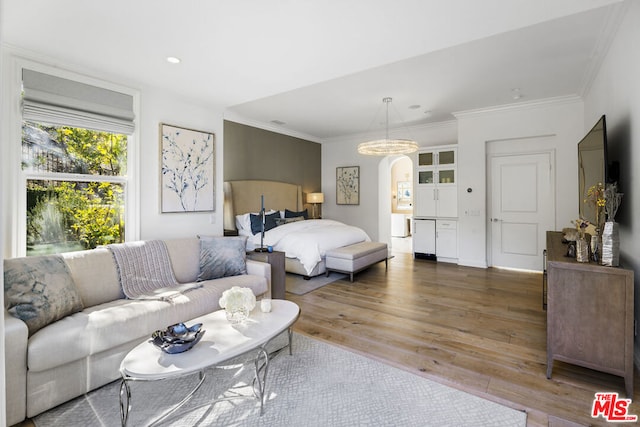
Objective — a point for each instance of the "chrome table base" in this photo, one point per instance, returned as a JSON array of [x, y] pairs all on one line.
[[261, 365]]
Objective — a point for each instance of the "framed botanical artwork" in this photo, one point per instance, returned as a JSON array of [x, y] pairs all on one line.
[[348, 185], [188, 170]]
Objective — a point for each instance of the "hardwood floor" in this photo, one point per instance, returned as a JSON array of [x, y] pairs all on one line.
[[479, 330]]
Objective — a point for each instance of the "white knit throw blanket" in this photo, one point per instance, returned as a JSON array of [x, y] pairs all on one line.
[[143, 267]]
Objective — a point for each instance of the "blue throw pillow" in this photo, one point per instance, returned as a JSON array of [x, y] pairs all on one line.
[[269, 222], [292, 214], [39, 290], [222, 257]]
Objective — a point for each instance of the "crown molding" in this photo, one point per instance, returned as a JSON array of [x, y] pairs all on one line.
[[233, 117], [611, 23], [376, 134], [521, 106]]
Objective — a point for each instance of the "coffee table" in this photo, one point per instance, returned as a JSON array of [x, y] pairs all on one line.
[[221, 342]]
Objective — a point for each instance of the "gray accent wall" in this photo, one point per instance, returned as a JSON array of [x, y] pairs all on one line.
[[254, 153]]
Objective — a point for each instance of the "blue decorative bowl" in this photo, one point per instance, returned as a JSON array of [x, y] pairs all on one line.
[[177, 338]]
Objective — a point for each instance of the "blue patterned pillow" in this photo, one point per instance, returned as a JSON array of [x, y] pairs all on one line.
[[269, 222], [39, 290], [292, 214], [222, 257]]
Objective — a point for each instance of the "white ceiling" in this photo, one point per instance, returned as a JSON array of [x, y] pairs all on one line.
[[323, 66]]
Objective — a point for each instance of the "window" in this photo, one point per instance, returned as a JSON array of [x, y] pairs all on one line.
[[75, 144], [75, 187]]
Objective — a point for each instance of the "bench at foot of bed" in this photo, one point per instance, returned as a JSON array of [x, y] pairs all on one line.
[[354, 258]]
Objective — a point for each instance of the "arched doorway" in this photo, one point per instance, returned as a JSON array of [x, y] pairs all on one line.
[[395, 207]]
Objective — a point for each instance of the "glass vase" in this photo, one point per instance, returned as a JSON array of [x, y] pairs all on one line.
[[595, 247], [236, 315]]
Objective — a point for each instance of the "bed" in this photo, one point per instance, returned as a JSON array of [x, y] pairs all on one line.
[[304, 242]]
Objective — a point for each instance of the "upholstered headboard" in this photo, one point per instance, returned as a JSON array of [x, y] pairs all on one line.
[[241, 197]]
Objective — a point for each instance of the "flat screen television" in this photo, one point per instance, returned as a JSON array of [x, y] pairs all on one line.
[[592, 166]]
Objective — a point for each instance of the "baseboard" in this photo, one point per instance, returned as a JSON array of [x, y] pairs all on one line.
[[472, 263]]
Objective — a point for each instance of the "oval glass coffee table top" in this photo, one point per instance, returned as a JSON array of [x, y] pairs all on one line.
[[221, 341]]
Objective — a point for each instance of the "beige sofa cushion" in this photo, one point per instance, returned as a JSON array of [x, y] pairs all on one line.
[[111, 324], [185, 258], [94, 272]]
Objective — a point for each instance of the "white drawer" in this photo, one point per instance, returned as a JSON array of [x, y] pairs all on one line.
[[446, 224]]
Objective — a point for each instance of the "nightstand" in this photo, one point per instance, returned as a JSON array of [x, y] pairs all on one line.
[[278, 275]]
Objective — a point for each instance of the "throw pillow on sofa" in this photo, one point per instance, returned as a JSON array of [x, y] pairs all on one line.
[[39, 290], [222, 256]]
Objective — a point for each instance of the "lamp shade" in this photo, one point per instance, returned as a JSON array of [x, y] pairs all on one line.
[[315, 198]]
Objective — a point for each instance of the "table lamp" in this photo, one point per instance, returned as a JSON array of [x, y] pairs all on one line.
[[315, 198]]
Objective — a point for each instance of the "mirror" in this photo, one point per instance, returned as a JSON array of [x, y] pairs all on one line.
[[592, 166]]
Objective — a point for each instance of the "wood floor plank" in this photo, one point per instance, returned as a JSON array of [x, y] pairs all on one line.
[[480, 330]]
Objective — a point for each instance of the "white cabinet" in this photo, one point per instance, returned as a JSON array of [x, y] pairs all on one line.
[[436, 201], [424, 237], [435, 207], [399, 225], [447, 240], [436, 190]]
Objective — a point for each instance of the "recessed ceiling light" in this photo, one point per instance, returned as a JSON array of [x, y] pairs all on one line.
[[516, 94], [173, 60]]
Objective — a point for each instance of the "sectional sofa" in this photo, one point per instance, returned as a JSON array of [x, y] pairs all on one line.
[[95, 324]]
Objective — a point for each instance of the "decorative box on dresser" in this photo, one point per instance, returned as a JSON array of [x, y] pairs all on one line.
[[589, 314]]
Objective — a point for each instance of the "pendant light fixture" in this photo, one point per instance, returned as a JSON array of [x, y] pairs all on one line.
[[384, 147]]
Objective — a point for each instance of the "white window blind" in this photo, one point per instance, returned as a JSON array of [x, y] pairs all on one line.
[[57, 101]]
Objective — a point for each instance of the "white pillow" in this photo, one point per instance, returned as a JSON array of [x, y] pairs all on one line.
[[243, 222]]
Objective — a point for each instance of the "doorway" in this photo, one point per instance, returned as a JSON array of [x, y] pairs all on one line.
[[521, 206], [401, 180]]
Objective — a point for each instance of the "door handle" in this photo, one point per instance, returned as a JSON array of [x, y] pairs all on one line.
[[496, 219]]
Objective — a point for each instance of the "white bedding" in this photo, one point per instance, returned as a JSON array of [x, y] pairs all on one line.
[[309, 240]]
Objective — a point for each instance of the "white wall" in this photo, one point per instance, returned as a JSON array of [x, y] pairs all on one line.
[[155, 106], [374, 186], [561, 118], [615, 92], [159, 107]]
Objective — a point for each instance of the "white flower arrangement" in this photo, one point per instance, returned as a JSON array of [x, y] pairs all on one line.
[[238, 298]]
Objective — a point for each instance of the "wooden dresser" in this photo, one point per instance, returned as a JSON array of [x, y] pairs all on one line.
[[589, 314]]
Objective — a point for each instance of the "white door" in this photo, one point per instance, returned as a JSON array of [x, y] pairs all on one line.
[[522, 209]]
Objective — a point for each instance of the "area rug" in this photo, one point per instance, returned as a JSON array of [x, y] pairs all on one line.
[[319, 385], [297, 285]]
